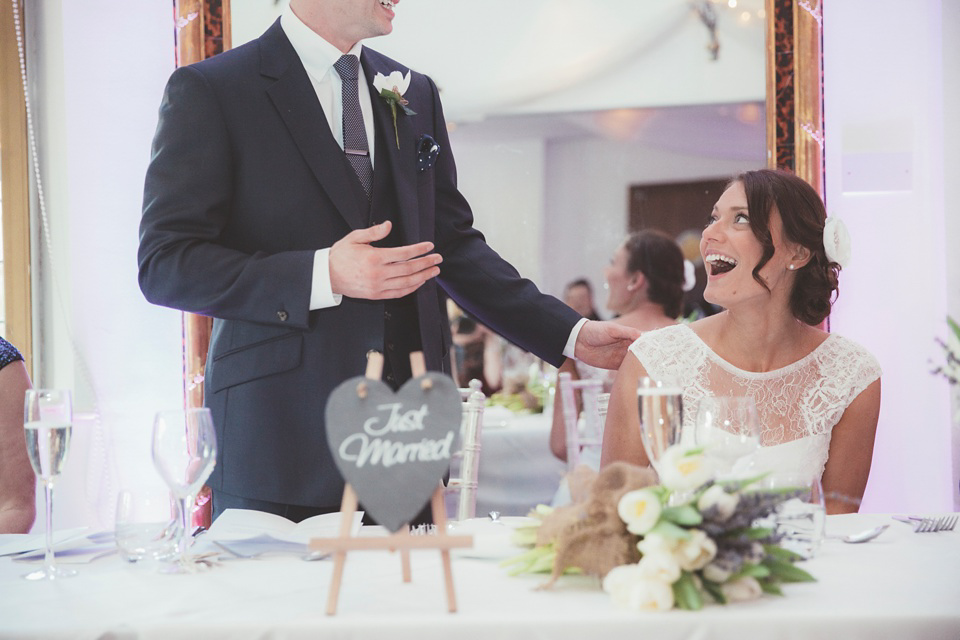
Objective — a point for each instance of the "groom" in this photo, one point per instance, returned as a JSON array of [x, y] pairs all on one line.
[[283, 199]]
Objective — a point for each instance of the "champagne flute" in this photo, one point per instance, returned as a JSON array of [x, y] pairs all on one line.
[[728, 428], [661, 417], [184, 451], [48, 425]]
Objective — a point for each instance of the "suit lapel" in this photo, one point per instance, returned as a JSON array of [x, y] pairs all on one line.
[[402, 161], [296, 101]]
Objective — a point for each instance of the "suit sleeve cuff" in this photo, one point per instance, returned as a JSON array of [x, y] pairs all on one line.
[[572, 340], [321, 291]]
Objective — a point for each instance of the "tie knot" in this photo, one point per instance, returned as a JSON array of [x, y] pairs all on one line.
[[348, 67]]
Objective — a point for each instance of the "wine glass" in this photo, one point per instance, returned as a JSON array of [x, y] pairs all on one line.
[[801, 519], [661, 417], [48, 425], [184, 451], [728, 428]]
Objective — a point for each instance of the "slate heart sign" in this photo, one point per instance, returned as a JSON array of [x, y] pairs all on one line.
[[393, 448]]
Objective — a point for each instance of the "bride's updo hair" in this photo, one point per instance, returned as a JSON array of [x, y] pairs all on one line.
[[659, 258], [803, 216]]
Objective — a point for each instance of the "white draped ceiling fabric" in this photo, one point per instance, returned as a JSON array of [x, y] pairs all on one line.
[[568, 55]]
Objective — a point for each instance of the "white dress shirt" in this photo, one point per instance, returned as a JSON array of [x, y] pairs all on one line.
[[318, 57]]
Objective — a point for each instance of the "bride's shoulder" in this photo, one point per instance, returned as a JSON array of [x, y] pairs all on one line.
[[848, 354], [664, 338]]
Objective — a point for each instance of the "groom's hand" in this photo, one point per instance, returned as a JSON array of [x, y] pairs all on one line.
[[604, 344], [359, 270]]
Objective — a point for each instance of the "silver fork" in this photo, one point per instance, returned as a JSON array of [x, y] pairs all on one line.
[[929, 524]]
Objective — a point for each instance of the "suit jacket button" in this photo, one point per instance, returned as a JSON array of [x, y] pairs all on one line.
[[282, 315]]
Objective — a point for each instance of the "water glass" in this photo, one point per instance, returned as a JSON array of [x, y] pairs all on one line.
[[728, 429], [661, 417], [147, 525], [800, 519]]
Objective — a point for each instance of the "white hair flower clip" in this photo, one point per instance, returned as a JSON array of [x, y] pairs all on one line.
[[689, 276], [836, 241]]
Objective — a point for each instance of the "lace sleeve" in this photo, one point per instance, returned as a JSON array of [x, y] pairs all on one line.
[[852, 363], [669, 354]]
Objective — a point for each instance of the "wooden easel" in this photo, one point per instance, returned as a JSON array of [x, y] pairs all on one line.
[[401, 540]]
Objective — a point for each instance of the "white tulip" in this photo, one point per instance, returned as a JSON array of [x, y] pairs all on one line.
[[661, 566], [629, 589], [696, 551], [640, 510], [681, 470], [741, 589], [657, 543], [716, 496], [716, 573]]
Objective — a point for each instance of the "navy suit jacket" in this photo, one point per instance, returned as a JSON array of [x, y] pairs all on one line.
[[245, 183]]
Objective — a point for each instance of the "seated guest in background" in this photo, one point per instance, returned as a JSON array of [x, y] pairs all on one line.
[[478, 354], [645, 284], [578, 294], [17, 480], [773, 261]]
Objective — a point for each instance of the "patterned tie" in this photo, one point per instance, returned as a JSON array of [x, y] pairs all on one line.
[[354, 133]]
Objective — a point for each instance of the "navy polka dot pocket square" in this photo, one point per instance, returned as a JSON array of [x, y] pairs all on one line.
[[427, 151]]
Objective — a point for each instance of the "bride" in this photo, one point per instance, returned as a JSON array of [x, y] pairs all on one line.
[[772, 260]]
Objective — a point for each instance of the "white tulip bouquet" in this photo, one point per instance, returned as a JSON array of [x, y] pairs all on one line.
[[655, 553]]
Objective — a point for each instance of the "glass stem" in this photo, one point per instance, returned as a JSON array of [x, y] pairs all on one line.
[[49, 557], [185, 504]]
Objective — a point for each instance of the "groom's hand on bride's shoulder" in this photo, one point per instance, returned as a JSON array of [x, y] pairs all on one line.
[[603, 343]]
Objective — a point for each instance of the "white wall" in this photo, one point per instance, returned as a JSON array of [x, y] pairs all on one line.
[[885, 142], [97, 79]]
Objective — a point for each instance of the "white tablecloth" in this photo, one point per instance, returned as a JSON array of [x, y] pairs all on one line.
[[517, 469], [900, 586]]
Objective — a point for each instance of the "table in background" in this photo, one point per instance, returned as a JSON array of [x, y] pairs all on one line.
[[899, 586], [517, 469]]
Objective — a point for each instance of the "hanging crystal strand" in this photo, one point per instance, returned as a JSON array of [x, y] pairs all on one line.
[[98, 456]]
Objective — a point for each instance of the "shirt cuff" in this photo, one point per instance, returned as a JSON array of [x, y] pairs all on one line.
[[321, 291], [572, 340]]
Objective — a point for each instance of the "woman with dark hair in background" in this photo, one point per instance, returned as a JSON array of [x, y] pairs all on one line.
[[645, 286], [773, 259]]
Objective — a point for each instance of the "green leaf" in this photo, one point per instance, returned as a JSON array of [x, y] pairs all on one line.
[[753, 570], [782, 554], [714, 590], [771, 586], [745, 482], [536, 560], [787, 571], [754, 533], [669, 530], [685, 515], [685, 593], [954, 327]]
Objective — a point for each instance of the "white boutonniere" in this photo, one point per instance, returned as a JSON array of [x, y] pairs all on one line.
[[391, 88]]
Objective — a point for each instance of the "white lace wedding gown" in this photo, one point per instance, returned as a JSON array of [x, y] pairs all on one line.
[[798, 405]]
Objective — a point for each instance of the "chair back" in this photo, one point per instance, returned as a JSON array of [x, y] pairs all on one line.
[[464, 477], [594, 404]]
